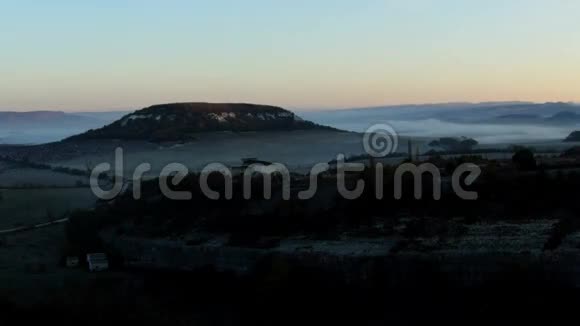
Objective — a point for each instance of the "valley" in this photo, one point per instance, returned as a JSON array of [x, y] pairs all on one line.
[[522, 219]]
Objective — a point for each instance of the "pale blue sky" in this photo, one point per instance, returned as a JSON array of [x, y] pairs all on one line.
[[75, 55]]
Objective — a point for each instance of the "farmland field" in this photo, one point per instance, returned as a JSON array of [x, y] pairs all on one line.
[[29, 177], [296, 150], [20, 207]]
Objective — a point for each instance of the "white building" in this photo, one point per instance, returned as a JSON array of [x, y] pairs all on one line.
[[97, 262]]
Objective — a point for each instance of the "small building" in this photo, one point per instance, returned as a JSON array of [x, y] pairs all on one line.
[[97, 262]]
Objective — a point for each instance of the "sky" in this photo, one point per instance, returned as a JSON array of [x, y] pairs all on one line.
[[302, 54]]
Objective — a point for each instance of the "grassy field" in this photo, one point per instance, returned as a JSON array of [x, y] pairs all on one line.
[[295, 149], [29, 177], [28, 206]]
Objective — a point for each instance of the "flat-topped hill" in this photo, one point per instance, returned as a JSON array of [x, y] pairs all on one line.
[[180, 121]]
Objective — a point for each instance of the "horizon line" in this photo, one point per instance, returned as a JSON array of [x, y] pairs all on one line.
[[299, 109]]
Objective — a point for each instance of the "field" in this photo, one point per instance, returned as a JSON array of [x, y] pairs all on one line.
[[298, 150], [29, 177], [20, 207]]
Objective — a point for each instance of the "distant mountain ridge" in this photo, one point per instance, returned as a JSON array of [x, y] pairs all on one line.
[[180, 121], [561, 117], [43, 126], [42, 117], [507, 122]]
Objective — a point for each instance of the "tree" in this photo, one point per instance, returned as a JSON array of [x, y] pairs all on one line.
[[469, 143], [451, 144], [524, 159]]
